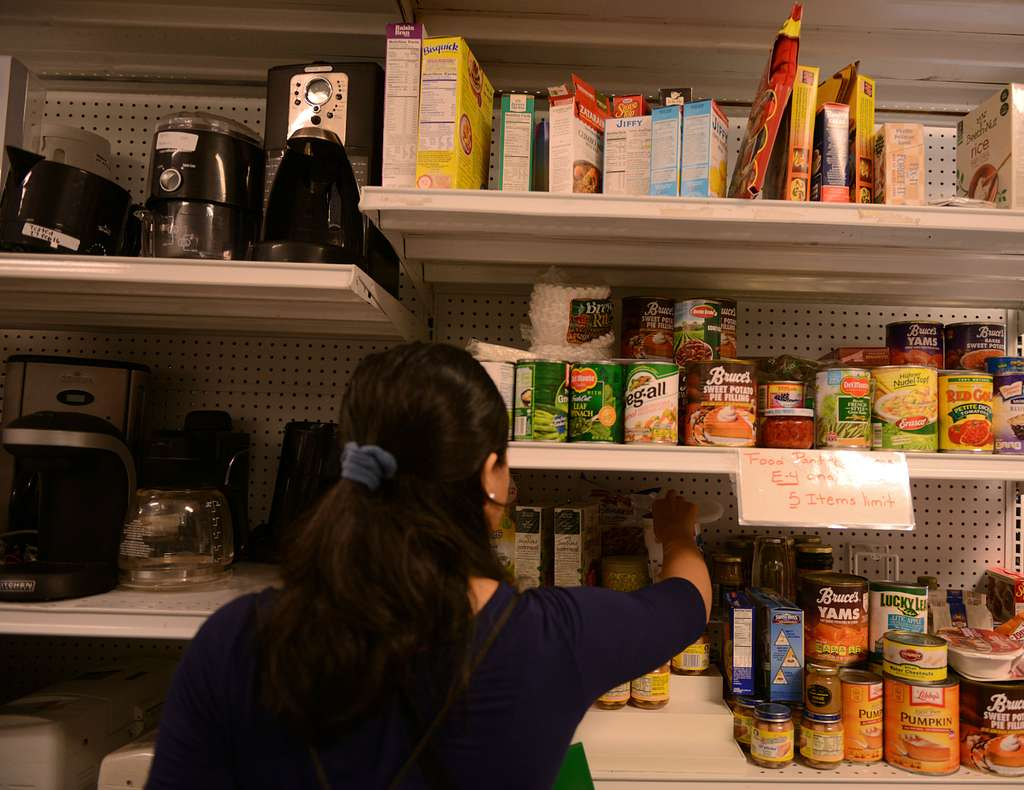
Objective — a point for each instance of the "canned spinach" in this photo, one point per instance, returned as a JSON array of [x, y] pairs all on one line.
[[541, 405], [595, 402]]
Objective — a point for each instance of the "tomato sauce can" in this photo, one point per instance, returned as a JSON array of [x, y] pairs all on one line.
[[862, 715], [965, 412], [992, 726], [836, 617], [905, 409], [721, 404], [970, 345], [1008, 404], [648, 327], [922, 726], [595, 402], [915, 343], [697, 331], [651, 413]]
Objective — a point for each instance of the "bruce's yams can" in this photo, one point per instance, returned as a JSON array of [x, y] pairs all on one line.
[[836, 614]]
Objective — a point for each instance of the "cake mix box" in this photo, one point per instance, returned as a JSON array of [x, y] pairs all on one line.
[[401, 104], [899, 164], [848, 86], [779, 647], [515, 142], [627, 155], [705, 150], [829, 171], [990, 150], [666, 149], [576, 142], [456, 107]]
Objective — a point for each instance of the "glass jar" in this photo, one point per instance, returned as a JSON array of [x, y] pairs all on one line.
[[788, 429], [614, 698], [743, 720], [695, 659], [771, 741], [650, 691], [742, 546], [726, 577], [822, 689], [625, 573], [822, 744], [772, 565], [811, 557]]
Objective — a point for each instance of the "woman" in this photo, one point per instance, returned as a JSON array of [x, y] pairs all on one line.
[[394, 656]]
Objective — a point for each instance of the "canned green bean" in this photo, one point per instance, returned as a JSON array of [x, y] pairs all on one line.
[[541, 405], [595, 402]]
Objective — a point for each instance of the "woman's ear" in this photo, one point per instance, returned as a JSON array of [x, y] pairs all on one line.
[[494, 479]]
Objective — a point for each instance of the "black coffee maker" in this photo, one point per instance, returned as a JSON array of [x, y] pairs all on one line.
[[83, 483]]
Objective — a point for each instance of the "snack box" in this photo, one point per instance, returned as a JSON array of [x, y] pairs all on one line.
[[670, 96], [401, 103], [456, 107], [848, 86], [990, 150], [859, 356], [577, 545], [515, 142], [899, 164], [666, 149], [627, 156], [828, 167], [1005, 593], [534, 545], [633, 106], [705, 154], [789, 169], [779, 647], [739, 618], [576, 147]]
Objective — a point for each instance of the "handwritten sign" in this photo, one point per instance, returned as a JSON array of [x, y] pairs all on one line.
[[824, 488]]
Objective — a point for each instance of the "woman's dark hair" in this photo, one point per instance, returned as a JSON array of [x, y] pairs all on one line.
[[373, 578]]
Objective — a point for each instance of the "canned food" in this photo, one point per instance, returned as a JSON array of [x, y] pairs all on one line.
[[862, 715], [905, 409], [992, 726], [694, 659], [615, 698], [648, 327], [721, 404], [922, 725], [541, 406], [970, 345], [595, 402], [780, 395], [790, 429], [503, 374], [895, 607], [965, 412], [915, 343], [772, 740], [843, 408], [1007, 404], [913, 656], [698, 331], [651, 691], [821, 740], [651, 414], [836, 617], [743, 720], [730, 313]]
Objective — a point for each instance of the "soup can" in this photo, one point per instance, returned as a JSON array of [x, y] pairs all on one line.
[[862, 715], [922, 725], [541, 404], [915, 343], [697, 331], [503, 374], [965, 412], [651, 411], [970, 345], [843, 408], [1007, 404], [595, 402], [992, 726], [836, 617], [648, 327], [905, 409], [913, 656], [721, 404]]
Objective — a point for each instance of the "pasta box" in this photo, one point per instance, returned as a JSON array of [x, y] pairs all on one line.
[[739, 617], [829, 173], [666, 149], [990, 150], [848, 86], [705, 150], [779, 647], [515, 142], [576, 147]]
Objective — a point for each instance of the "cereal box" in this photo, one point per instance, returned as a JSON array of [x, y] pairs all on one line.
[[849, 87], [705, 151], [576, 147], [739, 617], [899, 164], [401, 104], [666, 149], [633, 106], [515, 142], [789, 170], [456, 106], [779, 647], [627, 156], [990, 150], [534, 545], [829, 172], [577, 545]]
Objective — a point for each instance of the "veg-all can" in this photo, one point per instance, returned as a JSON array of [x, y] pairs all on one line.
[[914, 656], [915, 343], [843, 409], [905, 409], [648, 327], [862, 715], [965, 412], [894, 606], [652, 403], [698, 331], [541, 406], [595, 402], [992, 726], [922, 726], [721, 404], [970, 345], [503, 374], [730, 322], [1007, 404], [836, 617]]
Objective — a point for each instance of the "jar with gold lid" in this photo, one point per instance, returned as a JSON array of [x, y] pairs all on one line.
[[771, 742], [821, 742], [651, 691]]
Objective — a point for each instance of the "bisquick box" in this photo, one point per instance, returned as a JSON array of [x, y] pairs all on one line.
[[401, 104], [990, 150], [627, 156], [666, 149], [705, 153], [739, 638], [779, 647]]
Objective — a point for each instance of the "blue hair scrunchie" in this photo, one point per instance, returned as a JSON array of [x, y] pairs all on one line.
[[367, 464]]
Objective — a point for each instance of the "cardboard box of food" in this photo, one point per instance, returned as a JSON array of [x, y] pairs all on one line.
[[670, 96], [789, 170], [401, 104], [515, 142], [631, 106], [1005, 593], [577, 545], [627, 156], [858, 356], [779, 647], [666, 149], [705, 150], [456, 107], [534, 545], [739, 636], [829, 172], [848, 86], [576, 147], [899, 164], [990, 150]]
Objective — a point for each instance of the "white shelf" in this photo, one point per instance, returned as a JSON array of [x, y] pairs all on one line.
[[85, 292], [134, 614], [825, 251], [662, 459]]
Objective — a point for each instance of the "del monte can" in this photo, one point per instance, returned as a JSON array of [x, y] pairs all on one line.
[[595, 402]]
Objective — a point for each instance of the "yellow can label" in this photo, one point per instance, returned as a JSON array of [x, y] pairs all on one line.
[[914, 672], [652, 687], [822, 747], [772, 746], [965, 413], [695, 658]]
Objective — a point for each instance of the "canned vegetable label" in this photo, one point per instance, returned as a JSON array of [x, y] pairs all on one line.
[[698, 330], [542, 401], [844, 408], [652, 403], [595, 402], [905, 409], [965, 413]]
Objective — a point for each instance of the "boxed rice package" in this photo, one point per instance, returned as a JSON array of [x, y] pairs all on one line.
[[899, 164], [990, 150], [576, 143], [456, 106]]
